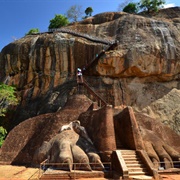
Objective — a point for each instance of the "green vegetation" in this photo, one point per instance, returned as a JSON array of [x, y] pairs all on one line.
[[58, 21], [123, 4], [88, 11], [151, 5], [7, 98], [74, 13], [144, 5], [3, 134], [33, 31], [131, 8]]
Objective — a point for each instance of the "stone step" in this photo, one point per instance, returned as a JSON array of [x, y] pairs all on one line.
[[131, 163], [137, 173], [141, 177], [132, 159], [130, 169], [135, 165], [130, 155], [126, 152]]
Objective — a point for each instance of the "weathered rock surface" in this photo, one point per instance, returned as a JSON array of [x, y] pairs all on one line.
[[139, 72]]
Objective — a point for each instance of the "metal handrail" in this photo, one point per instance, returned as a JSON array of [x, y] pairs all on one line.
[[74, 165], [95, 95], [87, 36], [69, 31], [40, 167], [99, 55]]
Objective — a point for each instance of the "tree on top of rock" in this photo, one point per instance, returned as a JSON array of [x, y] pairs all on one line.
[[151, 5], [143, 5], [88, 11], [74, 13], [58, 21], [131, 8], [123, 4]]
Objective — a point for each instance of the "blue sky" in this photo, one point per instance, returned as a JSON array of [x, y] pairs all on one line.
[[17, 17]]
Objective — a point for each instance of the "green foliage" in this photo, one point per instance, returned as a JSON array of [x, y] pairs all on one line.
[[58, 21], [88, 11], [3, 134], [151, 5], [131, 8], [33, 31], [123, 4], [74, 13], [7, 98]]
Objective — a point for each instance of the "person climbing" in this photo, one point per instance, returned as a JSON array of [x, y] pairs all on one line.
[[79, 80], [79, 76]]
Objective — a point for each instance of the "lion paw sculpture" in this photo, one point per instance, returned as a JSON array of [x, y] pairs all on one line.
[[71, 148], [158, 150]]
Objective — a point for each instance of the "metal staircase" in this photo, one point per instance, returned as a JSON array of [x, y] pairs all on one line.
[[101, 102], [111, 47]]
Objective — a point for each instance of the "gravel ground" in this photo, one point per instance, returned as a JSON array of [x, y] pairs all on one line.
[[18, 173]]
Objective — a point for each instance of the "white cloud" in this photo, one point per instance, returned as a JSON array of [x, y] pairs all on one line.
[[169, 5]]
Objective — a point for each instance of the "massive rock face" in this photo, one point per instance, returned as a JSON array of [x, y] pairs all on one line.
[[142, 71]]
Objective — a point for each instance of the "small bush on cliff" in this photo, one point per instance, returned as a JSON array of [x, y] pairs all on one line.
[[33, 31], [7, 98], [3, 134], [58, 21]]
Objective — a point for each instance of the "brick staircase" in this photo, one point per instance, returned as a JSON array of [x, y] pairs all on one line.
[[136, 168]]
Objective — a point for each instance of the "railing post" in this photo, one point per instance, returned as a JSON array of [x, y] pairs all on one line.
[[74, 170], [39, 171]]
